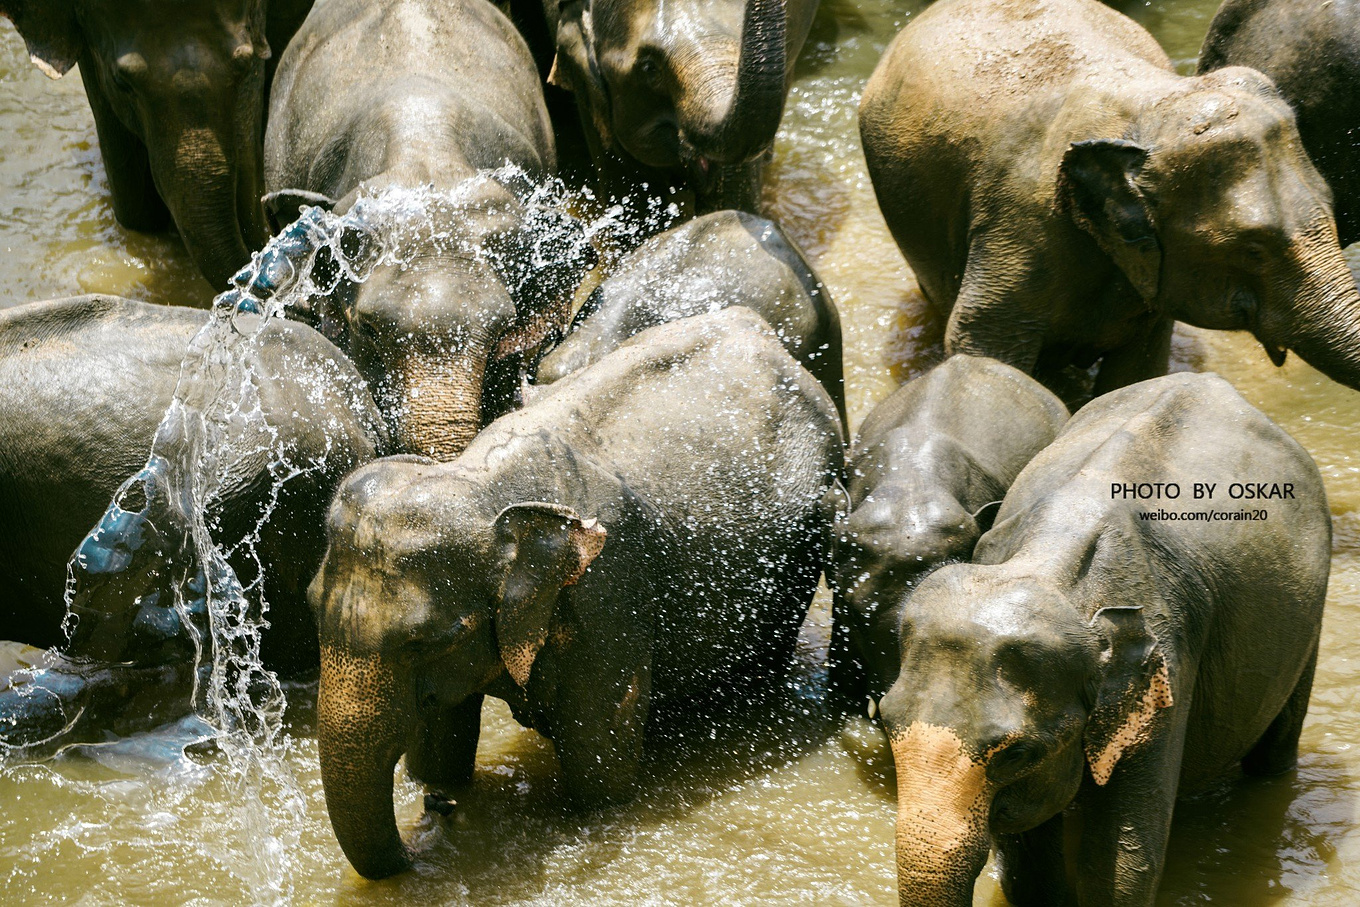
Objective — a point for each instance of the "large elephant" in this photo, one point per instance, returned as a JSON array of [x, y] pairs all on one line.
[[1066, 196], [926, 475], [690, 90], [413, 121], [178, 90], [84, 383], [717, 260], [647, 530], [1311, 51], [1117, 638]]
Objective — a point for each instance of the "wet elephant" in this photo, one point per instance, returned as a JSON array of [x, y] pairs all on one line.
[[649, 529], [690, 90], [1066, 196], [926, 475], [1092, 657], [177, 88], [717, 260], [84, 383], [411, 122], [1311, 51]]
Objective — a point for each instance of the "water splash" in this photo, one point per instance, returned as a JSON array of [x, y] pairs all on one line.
[[159, 541]]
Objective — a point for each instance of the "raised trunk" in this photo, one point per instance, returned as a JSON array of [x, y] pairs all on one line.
[[746, 128], [943, 801], [1324, 324], [362, 725], [436, 403]]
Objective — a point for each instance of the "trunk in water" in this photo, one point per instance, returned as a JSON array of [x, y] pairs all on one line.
[[752, 117], [1324, 324], [437, 403], [943, 802], [362, 718]]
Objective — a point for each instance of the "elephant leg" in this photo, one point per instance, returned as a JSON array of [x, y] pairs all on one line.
[[1033, 869], [598, 733], [500, 387], [137, 204], [1149, 356], [444, 751], [847, 684], [1000, 310], [1278, 749], [1125, 824]]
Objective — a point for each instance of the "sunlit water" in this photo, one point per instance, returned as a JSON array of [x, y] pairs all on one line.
[[773, 808]]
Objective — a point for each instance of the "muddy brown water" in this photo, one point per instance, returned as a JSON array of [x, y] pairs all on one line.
[[776, 806]]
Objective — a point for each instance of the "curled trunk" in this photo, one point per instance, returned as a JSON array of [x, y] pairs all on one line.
[[943, 801], [747, 127], [362, 718], [436, 403]]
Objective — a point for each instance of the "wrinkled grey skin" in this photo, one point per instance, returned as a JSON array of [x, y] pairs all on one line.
[[649, 529], [926, 475], [449, 90], [84, 383], [177, 88], [717, 260], [1092, 659], [690, 90], [1066, 197], [1311, 50]]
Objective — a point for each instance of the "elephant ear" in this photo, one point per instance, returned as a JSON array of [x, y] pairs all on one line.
[[576, 68], [547, 547], [49, 29], [1133, 685], [1098, 188]]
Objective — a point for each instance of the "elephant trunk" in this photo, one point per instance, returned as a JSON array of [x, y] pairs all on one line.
[[746, 128], [216, 206], [362, 719], [1323, 325], [437, 403], [943, 802]]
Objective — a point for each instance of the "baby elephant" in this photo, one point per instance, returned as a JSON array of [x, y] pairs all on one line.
[[1107, 647], [930, 467], [648, 530], [718, 260], [84, 383]]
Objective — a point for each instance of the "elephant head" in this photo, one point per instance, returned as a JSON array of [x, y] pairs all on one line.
[[1008, 695], [1213, 211], [892, 539], [177, 89], [420, 610], [464, 283], [697, 87]]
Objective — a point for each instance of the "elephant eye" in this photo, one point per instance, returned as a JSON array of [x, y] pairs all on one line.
[[651, 71]]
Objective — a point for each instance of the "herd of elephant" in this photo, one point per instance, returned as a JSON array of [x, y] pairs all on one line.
[[597, 497]]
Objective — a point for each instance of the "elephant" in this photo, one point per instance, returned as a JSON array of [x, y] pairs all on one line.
[[84, 382], [1311, 51], [716, 260], [1142, 617], [647, 532], [1066, 196], [177, 88], [926, 475], [411, 123], [682, 91]]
